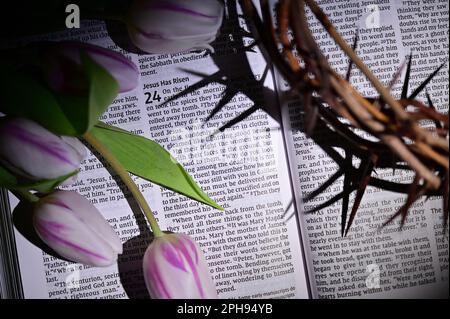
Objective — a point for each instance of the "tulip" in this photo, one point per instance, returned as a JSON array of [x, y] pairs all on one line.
[[173, 26], [174, 268], [31, 151], [70, 225], [62, 66]]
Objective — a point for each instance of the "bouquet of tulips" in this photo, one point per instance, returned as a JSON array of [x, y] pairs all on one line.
[[52, 95]]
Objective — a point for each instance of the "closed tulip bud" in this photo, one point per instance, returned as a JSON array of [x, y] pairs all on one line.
[[31, 151], [62, 66], [172, 26], [174, 268], [70, 225]]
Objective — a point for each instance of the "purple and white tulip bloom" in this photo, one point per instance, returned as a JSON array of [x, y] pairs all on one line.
[[173, 26], [70, 225], [31, 151], [175, 268], [62, 62]]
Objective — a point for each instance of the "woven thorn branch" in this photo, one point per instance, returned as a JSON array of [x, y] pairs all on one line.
[[401, 139]]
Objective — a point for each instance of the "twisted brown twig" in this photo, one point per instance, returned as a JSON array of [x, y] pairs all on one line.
[[399, 133]]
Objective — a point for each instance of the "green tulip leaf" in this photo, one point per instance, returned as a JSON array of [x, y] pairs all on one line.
[[45, 185], [8, 180], [147, 159], [24, 96], [84, 111]]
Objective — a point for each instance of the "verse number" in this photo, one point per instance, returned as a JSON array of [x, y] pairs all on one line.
[[152, 97]]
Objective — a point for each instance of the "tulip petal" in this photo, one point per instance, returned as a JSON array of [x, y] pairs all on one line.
[[75, 229], [54, 227], [174, 267], [178, 8], [122, 70], [154, 274], [173, 26], [92, 218], [50, 147], [64, 60], [35, 152], [48, 233], [192, 265], [172, 256], [75, 143]]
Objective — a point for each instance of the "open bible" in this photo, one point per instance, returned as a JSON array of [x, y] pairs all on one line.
[[229, 118]]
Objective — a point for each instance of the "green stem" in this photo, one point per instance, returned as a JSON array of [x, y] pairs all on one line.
[[25, 195], [125, 177]]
